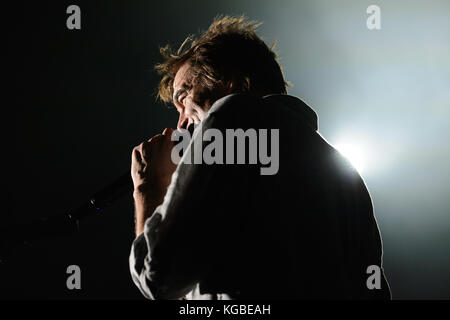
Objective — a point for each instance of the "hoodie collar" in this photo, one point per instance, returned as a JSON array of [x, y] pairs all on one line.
[[297, 106]]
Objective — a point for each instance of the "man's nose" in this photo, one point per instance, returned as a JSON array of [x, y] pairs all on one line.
[[183, 121]]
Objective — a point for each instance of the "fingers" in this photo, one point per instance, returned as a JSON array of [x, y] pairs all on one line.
[[167, 132], [137, 153], [154, 138], [143, 151]]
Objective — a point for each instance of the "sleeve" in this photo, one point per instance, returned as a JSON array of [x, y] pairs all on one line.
[[186, 233]]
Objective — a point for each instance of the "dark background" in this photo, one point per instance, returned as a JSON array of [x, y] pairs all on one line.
[[82, 99]]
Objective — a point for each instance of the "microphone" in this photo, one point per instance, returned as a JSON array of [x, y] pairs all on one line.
[[67, 223], [103, 198], [119, 187], [62, 224]]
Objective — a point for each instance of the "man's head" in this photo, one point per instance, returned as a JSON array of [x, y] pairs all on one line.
[[227, 58]]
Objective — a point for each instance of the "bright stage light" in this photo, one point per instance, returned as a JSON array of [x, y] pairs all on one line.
[[354, 154]]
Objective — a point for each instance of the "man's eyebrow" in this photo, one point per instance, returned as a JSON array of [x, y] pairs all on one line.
[[183, 88], [177, 93]]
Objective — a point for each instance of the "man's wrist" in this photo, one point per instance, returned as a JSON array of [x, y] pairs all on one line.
[[149, 191]]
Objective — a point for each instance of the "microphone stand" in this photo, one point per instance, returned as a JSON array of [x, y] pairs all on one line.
[[66, 223]]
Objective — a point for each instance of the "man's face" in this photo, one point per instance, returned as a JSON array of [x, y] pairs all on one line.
[[190, 101]]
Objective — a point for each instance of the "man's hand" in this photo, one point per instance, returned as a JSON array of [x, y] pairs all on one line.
[[151, 171]]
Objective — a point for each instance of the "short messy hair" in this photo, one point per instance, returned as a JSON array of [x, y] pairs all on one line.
[[229, 51]]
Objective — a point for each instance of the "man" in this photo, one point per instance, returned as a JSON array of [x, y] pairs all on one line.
[[227, 231]]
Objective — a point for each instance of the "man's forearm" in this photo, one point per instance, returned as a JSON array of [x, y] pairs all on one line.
[[146, 200]]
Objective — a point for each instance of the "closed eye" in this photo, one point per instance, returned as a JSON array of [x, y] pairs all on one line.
[[182, 96]]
